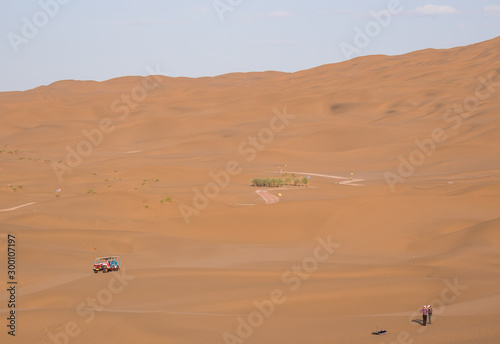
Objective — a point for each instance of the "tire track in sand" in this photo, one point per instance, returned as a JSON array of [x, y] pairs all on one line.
[[19, 206], [346, 181], [268, 197]]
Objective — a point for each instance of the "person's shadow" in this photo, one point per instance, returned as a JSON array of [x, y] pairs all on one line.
[[418, 321]]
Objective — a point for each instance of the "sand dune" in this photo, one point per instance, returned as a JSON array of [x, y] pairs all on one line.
[[163, 181]]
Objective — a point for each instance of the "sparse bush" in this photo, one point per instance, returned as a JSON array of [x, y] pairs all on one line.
[[168, 199]]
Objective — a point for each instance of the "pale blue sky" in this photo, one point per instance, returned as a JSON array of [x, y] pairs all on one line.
[[100, 40]]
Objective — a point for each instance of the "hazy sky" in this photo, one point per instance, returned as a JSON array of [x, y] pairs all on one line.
[[49, 40]]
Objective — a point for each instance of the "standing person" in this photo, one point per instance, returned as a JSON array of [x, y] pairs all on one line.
[[429, 312], [424, 313]]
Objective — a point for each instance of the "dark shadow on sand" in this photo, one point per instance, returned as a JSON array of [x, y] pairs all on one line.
[[418, 321]]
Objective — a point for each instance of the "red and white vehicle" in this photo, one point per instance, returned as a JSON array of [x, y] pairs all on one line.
[[106, 264]]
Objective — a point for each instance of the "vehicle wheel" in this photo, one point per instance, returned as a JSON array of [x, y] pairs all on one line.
[[95, 271]]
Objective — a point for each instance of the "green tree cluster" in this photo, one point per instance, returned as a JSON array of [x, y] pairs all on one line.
[[277, 182]]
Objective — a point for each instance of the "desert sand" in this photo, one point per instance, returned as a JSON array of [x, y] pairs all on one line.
[[402, 208]]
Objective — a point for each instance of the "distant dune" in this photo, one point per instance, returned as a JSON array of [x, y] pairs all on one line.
[[157, 170]]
